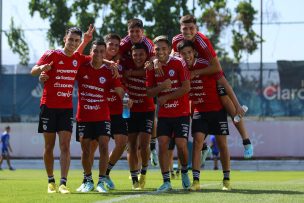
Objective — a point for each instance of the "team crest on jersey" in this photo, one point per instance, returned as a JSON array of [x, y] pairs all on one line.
[[75, 63], [171, 73], [102, 80]]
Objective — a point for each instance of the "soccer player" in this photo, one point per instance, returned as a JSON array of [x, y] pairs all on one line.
[[209, 116], [205, 50], [56, 106], [173, 115], [95, 80], [6, 148], [118, 124], [141, 119]]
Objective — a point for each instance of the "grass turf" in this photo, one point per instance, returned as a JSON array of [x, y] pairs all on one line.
[[247, 186]]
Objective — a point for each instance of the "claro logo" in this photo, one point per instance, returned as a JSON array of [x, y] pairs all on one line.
[[272, 93]]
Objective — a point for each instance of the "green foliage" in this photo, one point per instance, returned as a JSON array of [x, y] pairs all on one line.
[[245, 39], [17, 43]]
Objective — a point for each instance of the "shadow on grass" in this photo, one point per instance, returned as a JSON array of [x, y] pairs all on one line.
[[254, 191]]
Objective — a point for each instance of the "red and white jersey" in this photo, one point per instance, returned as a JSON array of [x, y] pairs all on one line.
[[136, 87], [115, 102], [125, 49], [175, 70], [58, 89], [202, 45], [93, 89], [203, 93]]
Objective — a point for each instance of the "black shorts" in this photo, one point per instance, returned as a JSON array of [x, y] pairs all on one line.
[[141, 122], [92, 130], [214, 122], [53, 120], [221, 91], [177, 127], [118, 125], [171, 144]]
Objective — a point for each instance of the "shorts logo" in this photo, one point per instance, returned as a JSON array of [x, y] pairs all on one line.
[[75, 63], [81, 134], [102, 80], [44, 127], [171, 73]]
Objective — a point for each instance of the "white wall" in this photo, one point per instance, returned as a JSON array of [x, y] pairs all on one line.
[[270, 139]]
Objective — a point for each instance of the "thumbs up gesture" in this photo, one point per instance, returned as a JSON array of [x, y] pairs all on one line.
[[46, 67]]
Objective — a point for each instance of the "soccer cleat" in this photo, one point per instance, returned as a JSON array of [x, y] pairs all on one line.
[[80, 187], [142, 181], [136, 186], [12, 168], [154, 158], [226, 185], [63, 189], [186, 181], [88, 186], [205, 154], [109, 183], [248, 151], [165, 187], [51, 188], [195, 185], [100, 187]]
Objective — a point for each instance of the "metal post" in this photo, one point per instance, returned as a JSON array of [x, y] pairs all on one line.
[[261, 60], [1, 30]]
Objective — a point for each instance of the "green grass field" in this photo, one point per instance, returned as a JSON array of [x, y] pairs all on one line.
[[248, 186]]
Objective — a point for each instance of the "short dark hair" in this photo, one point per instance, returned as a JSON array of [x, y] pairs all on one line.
[[161, 38], [112, 36], [7, 127], [139, 46], [99, 42], [74, 30], [185, 43], [135, 23], [187, 19]]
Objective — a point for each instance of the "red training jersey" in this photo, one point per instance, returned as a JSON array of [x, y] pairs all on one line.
[[93, 89], [136, 87], [58, 89], [203, 93], [115, 102], [202, 45], [175, 70]]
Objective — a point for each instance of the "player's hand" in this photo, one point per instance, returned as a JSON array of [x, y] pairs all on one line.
[[192, 74], [46, 67], [240, 111], [162, 100], [130, 103], [158, 67], [43, 77], [166, 84], [88, 35]]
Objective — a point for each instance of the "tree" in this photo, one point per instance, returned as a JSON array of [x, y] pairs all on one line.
[[17, 42]]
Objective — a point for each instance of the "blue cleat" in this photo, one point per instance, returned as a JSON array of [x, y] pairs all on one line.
[[109, 183], [165, 187], [100, 187], [88, 186], [248, 151], [186, 181]]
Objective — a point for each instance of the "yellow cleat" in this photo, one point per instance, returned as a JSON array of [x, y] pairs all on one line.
[[136, 186], [63, 189], [142, 181], [195, 185], [51, 188], [226, 185]]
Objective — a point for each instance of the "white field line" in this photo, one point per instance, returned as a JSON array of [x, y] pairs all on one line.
[[118, 199]]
